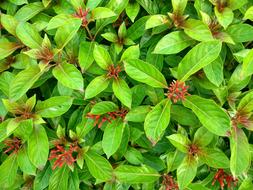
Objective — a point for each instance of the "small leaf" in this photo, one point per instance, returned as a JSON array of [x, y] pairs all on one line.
[[102, 57], [96, 86], [145, 72], [54, 107], [241, 32], [135, 174], [132, 10], [246, 103], [24, 162], [133, 52], [225, 17], [203, 137], [247, 65], [249, 14], [103, 107], [9, 23], [212, 116], [156, 20], [138, 114], [68, 75], [102, 12], [157, 120], [173, 43], [180, 141], [7, 48], [179, 6], [85, 56], [122, 92], [112, 137]]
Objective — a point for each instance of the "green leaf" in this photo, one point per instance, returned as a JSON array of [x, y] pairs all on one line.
[[240, 154], [179, 6], [8, 171], [28, 11], [246, 184], [38, 147], [102, 12], [57, 21], [91, 4], [122, 31], [12, 126], [247, 65], [59, 179], [28, 34], [249, 14], [96, 86], [41, 180], [3, 130], [103, 107], [132, 10], [112, 137], [157, 120], [133, 156], [102, 57], [24, 162], [198, 57], [241, 32], [225, 17], [7, 48], [18, 2], [234, 4], [9, 23], [111, 37], [98, 166], [212, 116], [173, 43], [68, 75], [66, 32], [246, 103], [203, 137], [180, 141], [145, 72], [137, 29], [186, 172], [214, 158], [23, 81], [135, 174], [138, 114], [122, 92], [85, 57], [197, 30], [133, 52], [156, 20], [54, 107]]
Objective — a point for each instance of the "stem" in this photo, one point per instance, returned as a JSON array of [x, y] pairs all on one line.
[[89, 33]]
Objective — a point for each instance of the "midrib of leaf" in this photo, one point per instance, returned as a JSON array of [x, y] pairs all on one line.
[[160, 118], [197, 64]]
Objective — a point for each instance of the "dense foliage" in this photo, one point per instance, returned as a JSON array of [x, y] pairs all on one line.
[[126, 94]]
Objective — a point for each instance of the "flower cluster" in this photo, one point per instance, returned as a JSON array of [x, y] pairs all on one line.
[[177, 91], [223, 178], [100, 119], [243, 119], [63, 155], [113, 72], [13, 144], [169, 183], [82, 14]]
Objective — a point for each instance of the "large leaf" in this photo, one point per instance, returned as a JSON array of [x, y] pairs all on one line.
[[247, 66], [173, 43], [134, 174], [8, 171], [29, 11], [98, 166], [157, 120], [187, 171], [102, 12], [122, 92], [198, 57], [24, 162], [241, 32], [145, 72], [112, 136], [54, 107], [212, 116], [102, 57], [23, 81], [38, 146], [85, 56], [69, 76], [59, 179], [240, 154], [225, 17], [66, 32], [29, 35]]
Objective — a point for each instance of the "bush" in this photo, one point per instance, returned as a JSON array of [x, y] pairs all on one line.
[[118, 94]]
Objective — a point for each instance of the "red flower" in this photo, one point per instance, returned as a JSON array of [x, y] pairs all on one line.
[[169, 183], [177, 91], [12, 144], [63, 156], [82, 14], [113, 72], [222, 177]]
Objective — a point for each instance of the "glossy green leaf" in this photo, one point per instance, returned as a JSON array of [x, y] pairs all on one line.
[[181, 142], [59, 179]]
